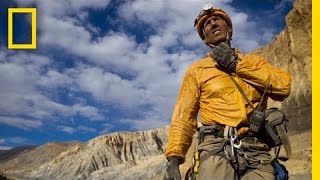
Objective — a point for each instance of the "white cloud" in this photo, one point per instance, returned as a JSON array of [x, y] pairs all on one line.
[[85, 129], [53, 79], [24, 89], [78, 129], [174, 22], [90, 112], [95, 4], [17, 140], [106, 127], [5, 147], [21, 123], [110, 87], [148, 122], [66, 129], [64, 7], [8, 142], [115, 69]]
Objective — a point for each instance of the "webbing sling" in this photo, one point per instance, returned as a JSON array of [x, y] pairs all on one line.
[[280, 129], [244, 95]]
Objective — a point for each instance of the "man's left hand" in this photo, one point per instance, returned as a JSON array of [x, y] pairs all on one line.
[[224, 56], [172, 168]]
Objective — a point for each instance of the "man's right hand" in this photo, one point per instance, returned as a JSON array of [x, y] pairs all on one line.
[[223, 55], [172, 169]]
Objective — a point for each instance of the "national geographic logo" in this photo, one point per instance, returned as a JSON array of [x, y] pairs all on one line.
[[33, 44]]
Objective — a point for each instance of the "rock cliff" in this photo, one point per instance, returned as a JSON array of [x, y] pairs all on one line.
[[291, 50]]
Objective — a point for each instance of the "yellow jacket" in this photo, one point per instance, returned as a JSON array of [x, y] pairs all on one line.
[[211, 92]]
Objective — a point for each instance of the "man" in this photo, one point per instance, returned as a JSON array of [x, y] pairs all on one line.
[[228, 148]]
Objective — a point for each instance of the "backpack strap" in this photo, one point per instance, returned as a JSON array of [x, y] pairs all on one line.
[[241, 91], [273, 135], [281, 135], [285, 142]]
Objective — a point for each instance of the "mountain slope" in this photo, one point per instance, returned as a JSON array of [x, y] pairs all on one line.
[[111, 154]]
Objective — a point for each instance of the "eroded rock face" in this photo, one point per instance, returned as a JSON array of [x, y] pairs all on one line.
[[110, 155], [33, 157], [291, 51]]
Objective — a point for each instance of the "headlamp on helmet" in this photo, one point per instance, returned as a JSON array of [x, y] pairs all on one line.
[[207, 11]]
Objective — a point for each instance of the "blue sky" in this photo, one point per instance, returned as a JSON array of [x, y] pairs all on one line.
[[103, 66]]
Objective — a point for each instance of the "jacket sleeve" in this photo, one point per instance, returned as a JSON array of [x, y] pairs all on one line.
[[184, 117], [256, 71]]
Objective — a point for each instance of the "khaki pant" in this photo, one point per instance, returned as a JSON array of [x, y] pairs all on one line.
[[217, 167]]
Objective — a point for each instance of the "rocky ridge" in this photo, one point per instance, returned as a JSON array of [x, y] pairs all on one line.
[[110, 154], [107, 157]]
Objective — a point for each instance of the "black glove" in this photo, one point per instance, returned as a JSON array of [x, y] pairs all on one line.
[[224, 56], [172, 168]]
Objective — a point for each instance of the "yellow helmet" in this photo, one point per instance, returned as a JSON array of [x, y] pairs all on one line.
[[207, 12]]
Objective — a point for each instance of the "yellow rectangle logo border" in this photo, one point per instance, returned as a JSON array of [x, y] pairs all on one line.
[[33, 12]]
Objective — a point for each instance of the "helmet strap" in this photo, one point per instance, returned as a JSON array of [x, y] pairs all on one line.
[[228, 40], [211, 45]]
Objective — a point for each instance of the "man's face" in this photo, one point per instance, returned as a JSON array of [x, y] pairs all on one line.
[[215, 30]]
